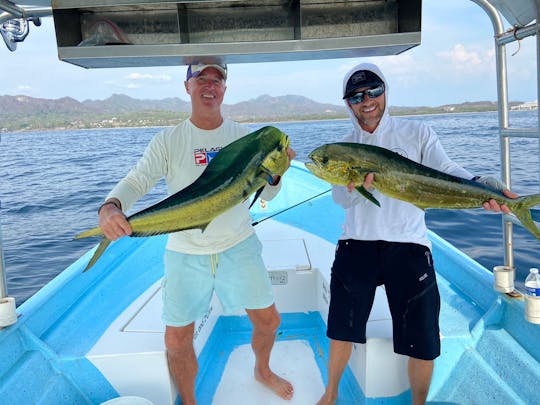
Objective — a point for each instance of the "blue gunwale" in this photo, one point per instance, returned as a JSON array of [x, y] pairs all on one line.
[[60, 323]]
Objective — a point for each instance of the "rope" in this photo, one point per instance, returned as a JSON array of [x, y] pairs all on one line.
[[291, 207]]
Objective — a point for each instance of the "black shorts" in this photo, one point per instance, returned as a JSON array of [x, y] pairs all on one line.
[[406, 270]]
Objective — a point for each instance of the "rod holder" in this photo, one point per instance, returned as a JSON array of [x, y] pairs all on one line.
[[503, 280], [8, 316]]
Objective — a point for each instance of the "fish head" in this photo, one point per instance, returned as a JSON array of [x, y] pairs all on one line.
[[333, 164], [274, 145]]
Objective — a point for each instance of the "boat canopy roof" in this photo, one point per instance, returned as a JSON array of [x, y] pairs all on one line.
[[107, 33]]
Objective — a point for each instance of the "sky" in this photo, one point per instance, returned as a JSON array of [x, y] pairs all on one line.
[[453, 64]]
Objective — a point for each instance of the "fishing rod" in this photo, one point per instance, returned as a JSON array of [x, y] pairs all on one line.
[[289, 208]]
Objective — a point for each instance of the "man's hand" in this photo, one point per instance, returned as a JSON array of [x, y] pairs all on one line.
[[493, 205], [113, 222], [292, 154], [368, 183]]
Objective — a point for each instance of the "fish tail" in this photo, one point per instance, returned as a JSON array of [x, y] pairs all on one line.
[[89, 233], [522, 210], [97, 254]]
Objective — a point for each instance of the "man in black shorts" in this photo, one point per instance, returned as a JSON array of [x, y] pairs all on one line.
[[387, 245], [406, 270]]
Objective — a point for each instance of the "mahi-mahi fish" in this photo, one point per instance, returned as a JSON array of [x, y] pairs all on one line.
[[399, 177], [239, 169]]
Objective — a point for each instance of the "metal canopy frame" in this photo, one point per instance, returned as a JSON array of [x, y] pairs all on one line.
[[502, 38], [9, 10]]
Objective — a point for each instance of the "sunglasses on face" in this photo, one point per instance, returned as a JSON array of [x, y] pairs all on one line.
[[371, 93]]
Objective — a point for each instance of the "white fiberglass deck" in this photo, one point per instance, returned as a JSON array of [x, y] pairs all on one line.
[[299, 268]]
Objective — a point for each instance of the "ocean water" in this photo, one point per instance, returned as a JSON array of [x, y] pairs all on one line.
[[53, 181]]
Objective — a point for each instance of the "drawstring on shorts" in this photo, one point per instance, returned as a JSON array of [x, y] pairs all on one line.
[[214, 262]]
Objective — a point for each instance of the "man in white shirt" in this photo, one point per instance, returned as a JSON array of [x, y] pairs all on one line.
[[226, 258], [387, 244]]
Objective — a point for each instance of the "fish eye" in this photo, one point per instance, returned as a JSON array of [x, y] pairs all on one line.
[[324, 160]]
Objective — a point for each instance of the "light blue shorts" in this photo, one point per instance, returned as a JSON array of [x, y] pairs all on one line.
[[237, 275]]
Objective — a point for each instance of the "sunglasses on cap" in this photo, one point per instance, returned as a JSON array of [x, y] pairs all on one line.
[[371, 93]]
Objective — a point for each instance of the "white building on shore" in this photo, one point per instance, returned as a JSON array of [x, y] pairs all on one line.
[[529, 105]]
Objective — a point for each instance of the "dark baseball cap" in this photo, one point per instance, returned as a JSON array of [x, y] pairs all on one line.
[[359, 79]]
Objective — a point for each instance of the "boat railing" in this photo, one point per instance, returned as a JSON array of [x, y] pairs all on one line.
[[502, 38], [8, 315], [3, 283]]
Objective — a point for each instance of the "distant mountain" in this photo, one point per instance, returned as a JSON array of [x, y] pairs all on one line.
[[23, 113], [28, 113], [119, 103], [28, 105], [263, 106], [288, 107]]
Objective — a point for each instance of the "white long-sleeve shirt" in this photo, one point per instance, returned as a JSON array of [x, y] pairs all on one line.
[[180, 155], [394, 220]]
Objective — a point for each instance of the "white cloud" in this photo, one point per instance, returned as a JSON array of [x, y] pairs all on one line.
[[460, 55], [135, 80], [148, 77], [466, 61], [403, 70]]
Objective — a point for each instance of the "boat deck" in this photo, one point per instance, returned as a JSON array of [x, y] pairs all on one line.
[[226, 361], [89, 337], [299, 355], [300, 277]]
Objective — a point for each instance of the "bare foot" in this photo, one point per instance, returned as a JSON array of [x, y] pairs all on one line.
[[327, 399], [280, 386]]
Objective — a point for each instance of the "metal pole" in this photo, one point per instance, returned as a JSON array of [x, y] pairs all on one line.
[[8, 314], [3, 283], [538, 77], [8, 6], [502, 107], [9, 11]]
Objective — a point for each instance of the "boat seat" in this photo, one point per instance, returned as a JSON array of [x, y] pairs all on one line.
[[387, 376]]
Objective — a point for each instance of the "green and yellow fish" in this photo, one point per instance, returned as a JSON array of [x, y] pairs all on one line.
[[401, 178], [232, 176]]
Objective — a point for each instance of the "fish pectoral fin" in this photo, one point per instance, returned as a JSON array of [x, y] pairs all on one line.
[[362, 190], [267, 175], [257, 194]]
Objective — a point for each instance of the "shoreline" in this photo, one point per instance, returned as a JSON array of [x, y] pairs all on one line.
[[247, 122], [3, 131]]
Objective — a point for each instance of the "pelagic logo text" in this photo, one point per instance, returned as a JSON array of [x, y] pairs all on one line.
[[203, 156]]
